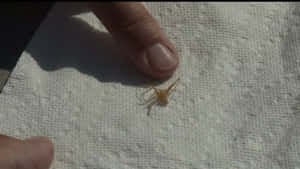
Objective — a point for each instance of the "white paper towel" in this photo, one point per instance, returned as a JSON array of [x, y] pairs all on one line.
[[237, 105]]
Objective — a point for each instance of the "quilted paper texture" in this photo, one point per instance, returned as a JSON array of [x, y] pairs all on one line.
[[237, 104]]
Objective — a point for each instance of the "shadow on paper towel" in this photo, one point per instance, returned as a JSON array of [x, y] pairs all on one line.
[[64, 41]]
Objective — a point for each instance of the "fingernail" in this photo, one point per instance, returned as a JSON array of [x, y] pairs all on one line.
[[160, 58]]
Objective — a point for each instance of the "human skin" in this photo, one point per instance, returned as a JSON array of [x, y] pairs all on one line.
[[140, 36]]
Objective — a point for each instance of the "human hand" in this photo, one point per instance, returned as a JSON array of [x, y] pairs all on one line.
[[34, 153], [140, 36], [146, 45]]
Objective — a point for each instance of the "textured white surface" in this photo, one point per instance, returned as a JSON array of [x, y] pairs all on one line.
[[237, 106]]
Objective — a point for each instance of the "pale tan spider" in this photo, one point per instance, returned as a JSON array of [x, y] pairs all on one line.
[[159, 96]]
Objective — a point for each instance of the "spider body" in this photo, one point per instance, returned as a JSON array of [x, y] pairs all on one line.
[[160, 95]]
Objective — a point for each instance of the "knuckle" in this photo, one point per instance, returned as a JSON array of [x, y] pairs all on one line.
[[135, 21]]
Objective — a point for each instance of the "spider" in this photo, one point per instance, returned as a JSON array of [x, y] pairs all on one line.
[[159, 96]]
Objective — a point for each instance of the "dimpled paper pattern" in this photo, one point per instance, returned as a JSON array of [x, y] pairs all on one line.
[[237, 105]]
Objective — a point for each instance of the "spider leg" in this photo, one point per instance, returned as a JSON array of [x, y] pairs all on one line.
[[149, 100], [141, 97], [156, 90], [172, 85], [172, 90], [149, 107]]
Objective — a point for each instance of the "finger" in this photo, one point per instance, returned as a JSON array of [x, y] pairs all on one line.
[[140, 36], [34, 153]]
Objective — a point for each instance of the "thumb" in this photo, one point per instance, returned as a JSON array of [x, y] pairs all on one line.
[[34, 153], [140, 36]]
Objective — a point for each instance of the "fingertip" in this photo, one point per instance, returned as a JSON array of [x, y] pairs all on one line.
[[158, 61], [36, 152], [41, 151]]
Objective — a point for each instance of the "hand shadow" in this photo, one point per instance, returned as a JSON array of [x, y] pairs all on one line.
[[64, 41]]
